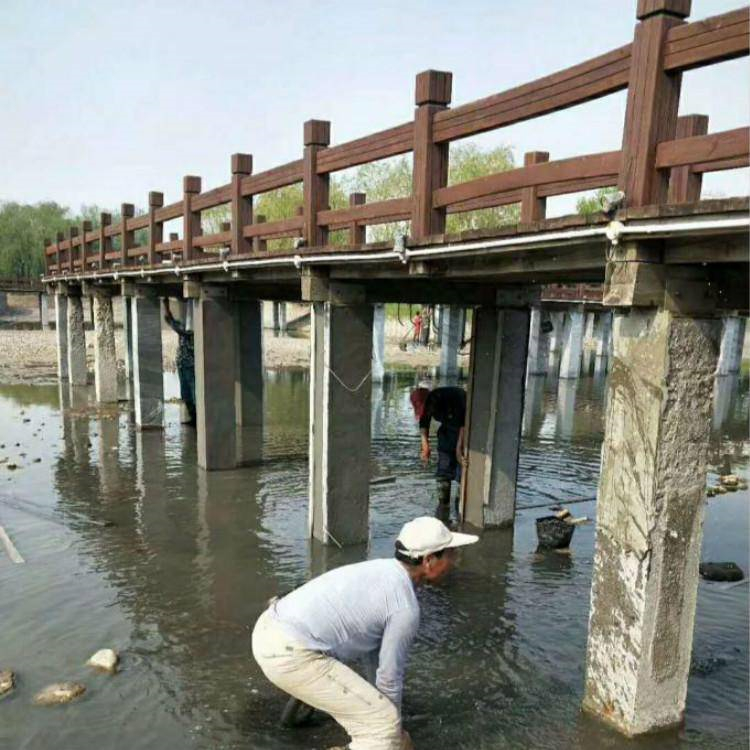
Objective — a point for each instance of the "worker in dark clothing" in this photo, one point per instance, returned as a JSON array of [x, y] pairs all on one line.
[[185, 362], [446, 405]]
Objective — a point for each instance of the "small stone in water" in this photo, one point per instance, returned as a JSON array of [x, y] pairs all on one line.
[[12, 467], [60, 692], [105, 659], [7, 681], [37, 460]]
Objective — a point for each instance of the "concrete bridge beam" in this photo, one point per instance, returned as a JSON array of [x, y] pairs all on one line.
[[649, 517], [570, 360], [340, 414], [148, 376], [215, 378], [77, 372], [495, 414], [105, 358], [61, 333]]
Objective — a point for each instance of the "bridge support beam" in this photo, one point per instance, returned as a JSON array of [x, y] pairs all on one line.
[[538, 361], [148, 376], [650, 516], [44, 311], [215, 380], [77, 372], [495, 414], [105, 359], [555, 342], [451, 323], [378, 343], [602, 342], [61, 333], [248, 384], [570, 361], [127, 335], [732, 342], [340, 397]]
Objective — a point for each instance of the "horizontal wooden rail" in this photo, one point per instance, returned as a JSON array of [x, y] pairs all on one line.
[[136, 252], [709, 41], [174, 246], [594, 78], [212, 198], [273, 179], [275, 229], [170, 212], [391, 142], [601, 165], [378, 212], [206, 240], [704, 149]]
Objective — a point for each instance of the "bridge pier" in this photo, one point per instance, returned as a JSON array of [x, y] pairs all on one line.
[[77, 372], [248, 386], [3, 303], [105, 358], [555, 342], [61, 333], [215, 380], [378, 343], [497, 376], [340, 397], [570, 361], [650, 516], [602, 342], [538, 360], [127, 335], [451, 323], [44, 311], [732, 342], [148, 376]]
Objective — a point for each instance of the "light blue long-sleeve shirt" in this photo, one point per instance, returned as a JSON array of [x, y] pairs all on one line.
[[355, 611]]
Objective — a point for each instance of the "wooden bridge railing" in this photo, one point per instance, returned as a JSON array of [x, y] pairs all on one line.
[[661, 160]]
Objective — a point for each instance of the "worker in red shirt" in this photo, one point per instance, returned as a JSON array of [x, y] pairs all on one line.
[[417, 323]]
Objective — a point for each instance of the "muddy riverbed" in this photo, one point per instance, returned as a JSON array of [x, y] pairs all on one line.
[[129, 546]]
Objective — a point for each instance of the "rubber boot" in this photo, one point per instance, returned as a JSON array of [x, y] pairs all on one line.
[[443, 510]]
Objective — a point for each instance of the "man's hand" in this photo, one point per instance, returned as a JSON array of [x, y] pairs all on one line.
[[426, 451]]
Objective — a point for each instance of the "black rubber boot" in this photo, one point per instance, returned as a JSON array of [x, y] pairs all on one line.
[[443, 510]]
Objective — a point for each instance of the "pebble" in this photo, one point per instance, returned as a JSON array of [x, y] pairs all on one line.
[[60, 692], [7, 681], [105, 660], [12, 467], [37, 460]]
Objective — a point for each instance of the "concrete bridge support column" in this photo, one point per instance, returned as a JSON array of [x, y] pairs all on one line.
[[649, 518], [61, 333], [105, 359], [3, 303], [340, 413], [452, 321], [555, 342], [248, 384], [378, 343], [495, 414], [602, 340], [538, 345], [570, 361], [44, 311], [148, 376], [77, 372], [127, 335], [215, 381], [732, 341]]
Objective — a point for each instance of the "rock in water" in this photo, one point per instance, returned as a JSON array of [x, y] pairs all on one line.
[[60, 692], [105, 660], [7, 681], [723, 571]]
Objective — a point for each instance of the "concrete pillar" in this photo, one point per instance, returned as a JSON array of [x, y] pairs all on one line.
[[452, 325], [61, 334], [340, 413], [148, 376], [555, 342], [566, 408], [105, 359], [588, 329], [248, 384], [3, 303], [649, 518], [538, 345], [215, 363], [732, 341], [44, 311], [495, 414], [378, 343], [127, 335], [91, 312], [282, 317], [76, 342], [438, 325], [602, 339], [570, 360]]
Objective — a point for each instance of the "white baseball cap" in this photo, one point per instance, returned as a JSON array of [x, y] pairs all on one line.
[[427, 535]]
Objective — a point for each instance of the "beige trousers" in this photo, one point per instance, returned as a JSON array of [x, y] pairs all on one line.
[[371, 719]]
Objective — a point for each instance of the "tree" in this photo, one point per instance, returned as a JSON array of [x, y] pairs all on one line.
[[593, 204]]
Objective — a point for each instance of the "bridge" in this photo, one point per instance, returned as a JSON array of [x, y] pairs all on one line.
[[672, 266]]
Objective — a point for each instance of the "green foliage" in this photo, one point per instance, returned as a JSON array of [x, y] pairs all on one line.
[[593, 204]]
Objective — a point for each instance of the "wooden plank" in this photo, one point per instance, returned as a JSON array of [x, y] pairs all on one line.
[[105, 242], [272, 179], [588, 80], [137, 222], [127, 238], [684, 184], [259, 245], [283, 227], [357, 232], [394, 209], [715, 147], [651, 113], [86, 228], [138, 251], [212, 198], [206, 240], [173, 246], [155, 228], [381, 145], [738, 162], [240, 206], [169, 212], [191, 220], [563, 170], [646, 8], [315, 186], [533, 206]]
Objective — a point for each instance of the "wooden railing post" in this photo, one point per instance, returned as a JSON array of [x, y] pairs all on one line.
[[242, 207], [86, 226], [47, 245], [191, 220], [155, 228], [430, 171], [315, 187], [105, 243], [653, 100], [59, 256], [127, 237], [533, 208], [259, 244], [357, 232], [72, 232], [684, 184]]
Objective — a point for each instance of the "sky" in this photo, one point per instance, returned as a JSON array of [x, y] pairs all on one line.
[[103, 101]]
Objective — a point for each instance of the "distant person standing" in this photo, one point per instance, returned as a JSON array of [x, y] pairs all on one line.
[[185, 361], [417, 324], [446, 405]]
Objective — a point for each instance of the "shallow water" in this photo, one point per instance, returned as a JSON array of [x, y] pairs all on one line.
[[129, 546]]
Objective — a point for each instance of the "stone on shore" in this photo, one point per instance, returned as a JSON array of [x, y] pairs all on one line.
[[104, 660], [7, 681], [722, 571], [59, 692]]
